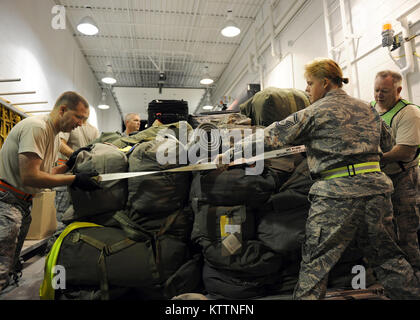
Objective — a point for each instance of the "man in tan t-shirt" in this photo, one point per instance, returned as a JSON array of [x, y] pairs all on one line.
[[401, 162], [77, 138], [26, 167]]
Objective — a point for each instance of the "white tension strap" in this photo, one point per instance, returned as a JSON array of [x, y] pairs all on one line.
[[205, 166]]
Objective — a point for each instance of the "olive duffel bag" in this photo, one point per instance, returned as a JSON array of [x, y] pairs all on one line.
[[274, 104], [103, 158], [104, 259]]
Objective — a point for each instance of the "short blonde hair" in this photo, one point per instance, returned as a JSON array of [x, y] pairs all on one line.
[[326, 68]]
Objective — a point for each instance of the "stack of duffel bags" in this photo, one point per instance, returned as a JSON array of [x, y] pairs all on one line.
[[224, 234], [240, 260], [251, 228], [236, 264], [131, 239]]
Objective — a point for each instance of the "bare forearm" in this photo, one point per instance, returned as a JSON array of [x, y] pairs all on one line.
[[65, 149], [399, 153], [60, 169], [32, 176], [46, 180]]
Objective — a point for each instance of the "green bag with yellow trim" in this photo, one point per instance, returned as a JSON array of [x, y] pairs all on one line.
[[104, 259]]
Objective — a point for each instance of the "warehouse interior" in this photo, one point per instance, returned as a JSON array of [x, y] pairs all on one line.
[[161, 50]]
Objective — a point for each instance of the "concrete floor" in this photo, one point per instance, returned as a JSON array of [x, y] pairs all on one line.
[[29, 283], [34, 255], [33, 275]]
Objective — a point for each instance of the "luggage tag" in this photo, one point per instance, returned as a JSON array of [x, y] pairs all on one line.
[[231, 236], [231, 244]]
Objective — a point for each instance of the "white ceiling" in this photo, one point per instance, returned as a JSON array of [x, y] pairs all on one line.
[[139, 38]]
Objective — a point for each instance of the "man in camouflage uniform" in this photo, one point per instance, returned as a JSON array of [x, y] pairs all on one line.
[[402, 160], [344, 135]]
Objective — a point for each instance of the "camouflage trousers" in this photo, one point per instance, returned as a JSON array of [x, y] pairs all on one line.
[[62, 201], [331, 226], [15, 219], [405, 201]]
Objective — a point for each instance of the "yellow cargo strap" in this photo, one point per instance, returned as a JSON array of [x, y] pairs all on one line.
[[351, 170], [46, 291]]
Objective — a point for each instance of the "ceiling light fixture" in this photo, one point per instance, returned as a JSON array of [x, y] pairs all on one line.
[[206, 80], [87, 25], [109, 76], [230, 29], [207, 105], [103, 105]]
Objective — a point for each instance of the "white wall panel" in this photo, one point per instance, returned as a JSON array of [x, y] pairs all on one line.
[[305, 38], [47, 60]]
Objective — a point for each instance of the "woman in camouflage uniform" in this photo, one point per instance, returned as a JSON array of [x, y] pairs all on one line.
[[345, 139]]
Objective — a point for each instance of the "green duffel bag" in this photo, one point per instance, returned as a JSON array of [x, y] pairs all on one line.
[[283, 232], [185, 280], [160, 192], [105, 258], [110, 137], [178, 223], [253, 259], [274, 104], [225, 284], [233, 187], [226, 235], [103, 158], [180, 130], [149, 134], [214, 223], [281, 221]]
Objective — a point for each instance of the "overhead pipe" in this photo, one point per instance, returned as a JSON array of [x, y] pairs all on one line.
[[25, 103], [154, 63], [349, 44], [275, 52], [10, 80], [328, 30], [251, 67], [38, 111], [408, 48], [16, 93], [256, 61]]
